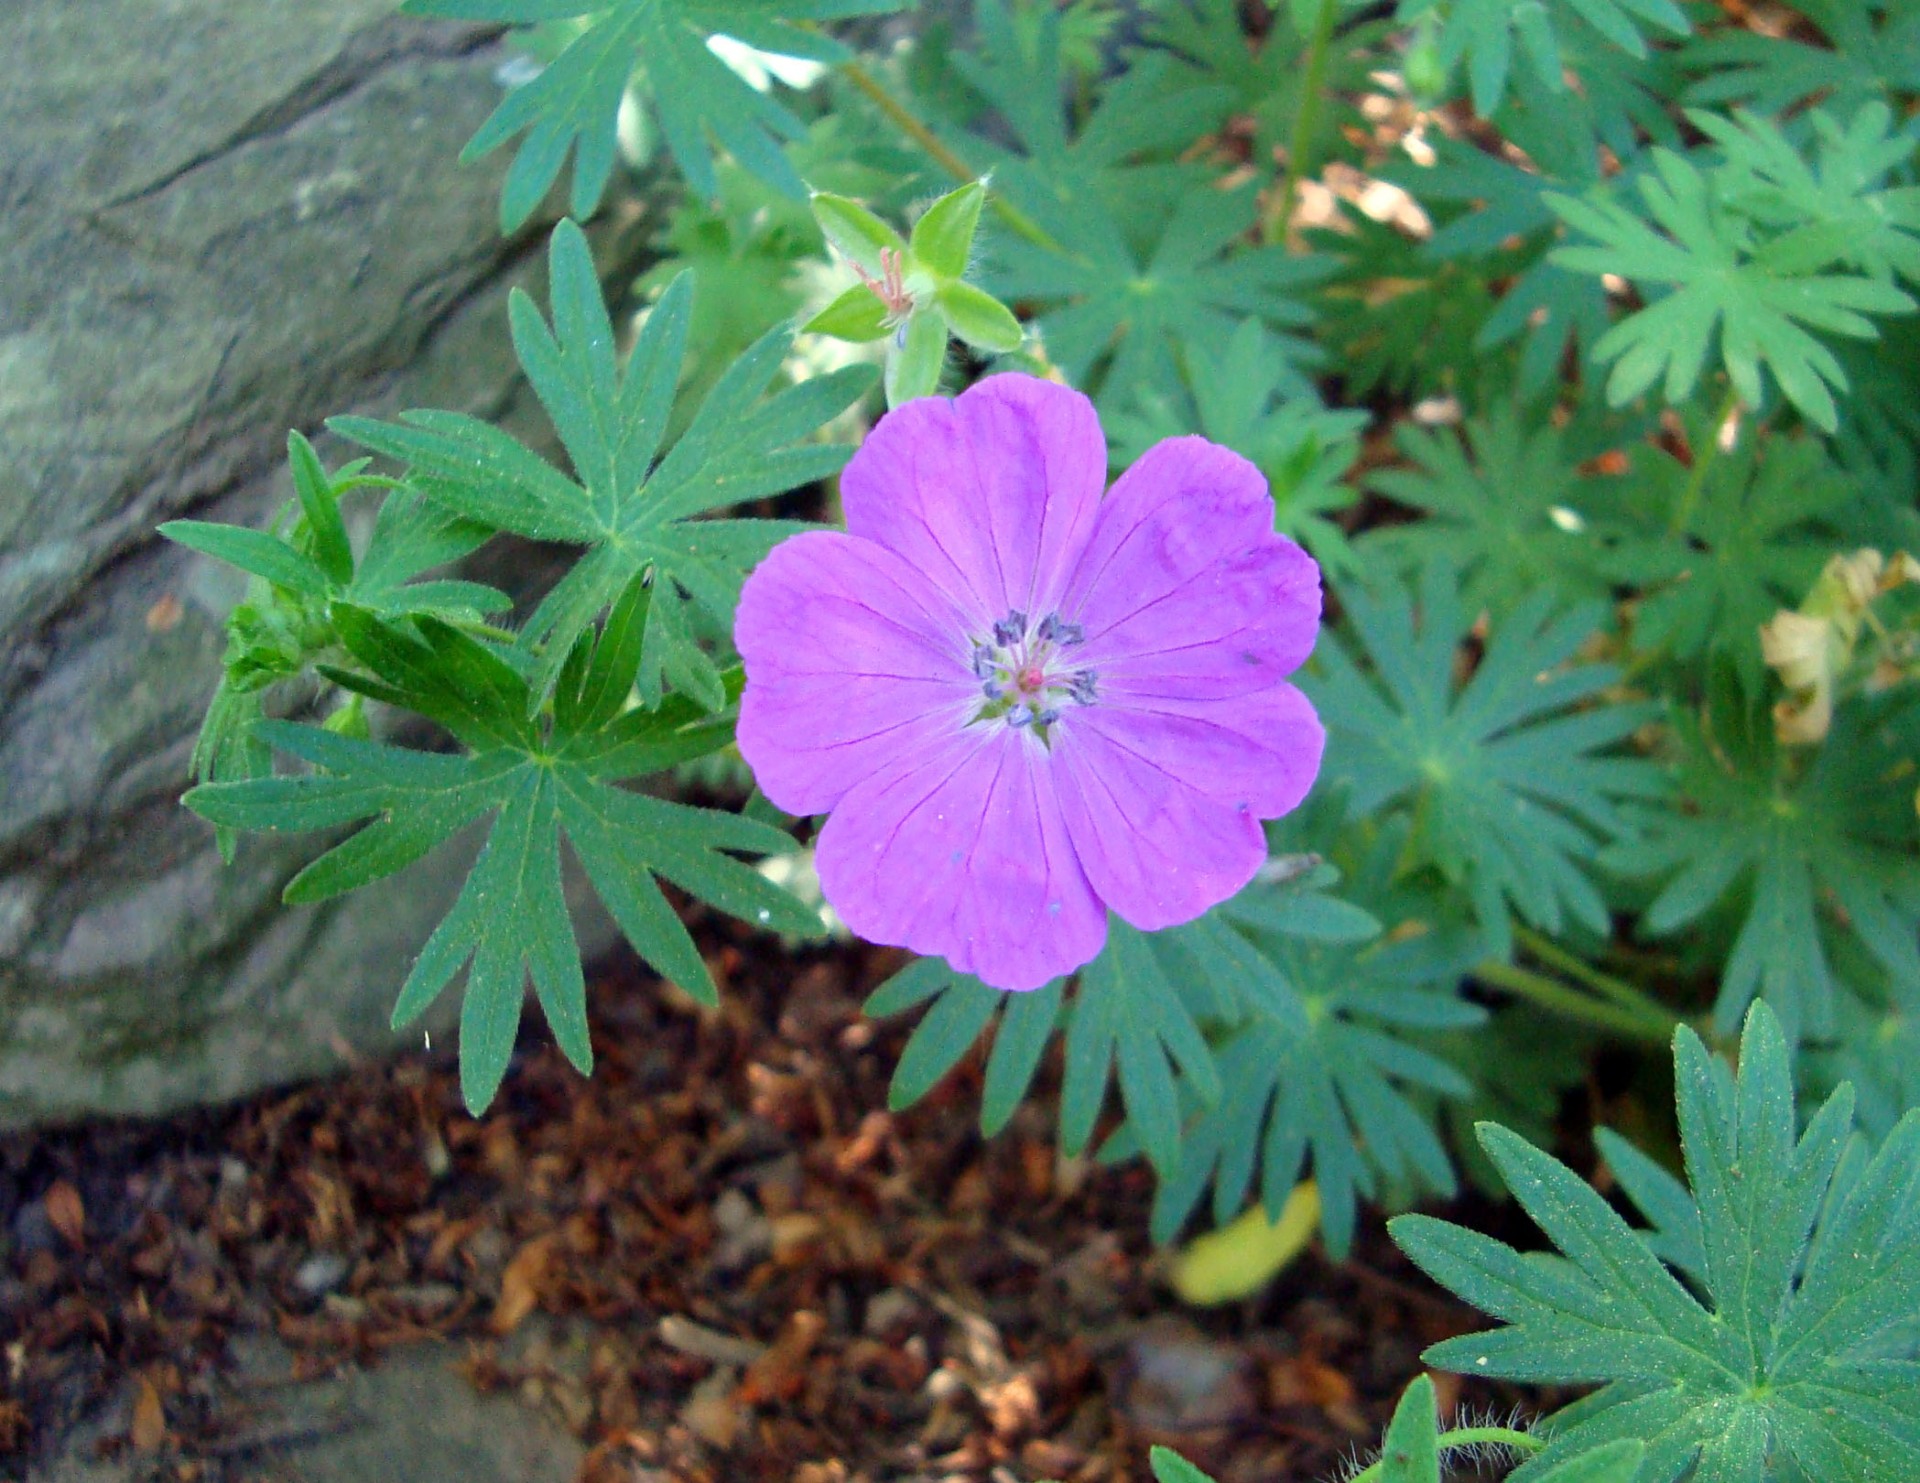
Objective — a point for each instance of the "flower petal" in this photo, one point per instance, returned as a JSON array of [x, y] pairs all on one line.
[[991, 494], [1184, 579], [963, 854], [1164, 807], [853, 663]]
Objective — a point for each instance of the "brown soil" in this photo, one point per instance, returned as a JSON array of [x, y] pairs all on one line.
[[720, 1258]]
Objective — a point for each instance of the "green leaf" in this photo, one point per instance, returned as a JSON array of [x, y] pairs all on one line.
[[1170, 1467], [1121, 318], [1504, 505], [1617, 1461], [1128, 1013], [1754, 530], [1494, 203], [856, 315], [1410, 1451], [1126, 1018], [1318, 1057], [859, 235], [1723, 289], [1871, 52], [658, 48], [1069, 159], [1794, 1358], [1266, 78], [1513, 774], [1839, 208], [942, 239], [977, 317], [962, 1007], [1398, 319], [320, 503], [1482, 32], [947, 1033], [252, 551], [633, 509], [916, 357], [536, 780], [1793, 858]]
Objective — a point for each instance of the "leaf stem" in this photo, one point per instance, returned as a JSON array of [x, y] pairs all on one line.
[[1558, 998], [1464, 1437], [904, 119], [1703, 462], [1300, 141], [1626, 995]]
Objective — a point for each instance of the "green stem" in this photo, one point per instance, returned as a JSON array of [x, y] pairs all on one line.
[[1300, 141], [1466, 1436], [1703, 462], [904, 120], [1557, 998], [1575, 967]]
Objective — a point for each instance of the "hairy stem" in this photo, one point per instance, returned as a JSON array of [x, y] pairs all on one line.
[[1467, 1436], [904, 119], [1300, 141], [1654, 1025], [1703, 462]]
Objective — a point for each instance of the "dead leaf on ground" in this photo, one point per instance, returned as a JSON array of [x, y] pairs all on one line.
[[148, 1432], [521, 1284], [66, 1214]]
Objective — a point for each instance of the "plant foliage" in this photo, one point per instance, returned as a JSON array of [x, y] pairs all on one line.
[[1780, 1345]]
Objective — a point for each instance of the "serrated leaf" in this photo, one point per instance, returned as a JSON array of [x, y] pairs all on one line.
[[1840, 206], [1504, 505], [1796, 855], [1781, 1365], [1128, 1017], [1482, 33], [1722, 294], [658, 47], [537, 781], [1122, 318], [1714, 557], [1317, 1062], [1871, 51], [633, 509], [1509, 772]]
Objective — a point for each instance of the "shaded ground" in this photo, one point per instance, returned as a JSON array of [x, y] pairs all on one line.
[[719, 1258]]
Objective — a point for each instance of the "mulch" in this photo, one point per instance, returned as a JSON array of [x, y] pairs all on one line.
[[720, 1258]]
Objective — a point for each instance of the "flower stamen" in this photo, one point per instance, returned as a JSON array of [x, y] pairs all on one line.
[[890, 287], [1021, 675]]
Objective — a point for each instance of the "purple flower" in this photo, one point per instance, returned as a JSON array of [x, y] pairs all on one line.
[[1022, 705]]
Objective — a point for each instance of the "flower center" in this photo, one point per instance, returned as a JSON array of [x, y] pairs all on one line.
[[1025, 672]]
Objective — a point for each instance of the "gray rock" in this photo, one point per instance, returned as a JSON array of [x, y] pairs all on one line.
[[216, 222], [412, 1417]]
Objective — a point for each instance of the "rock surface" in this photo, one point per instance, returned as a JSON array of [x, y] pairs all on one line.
[[413, 1418], [217, 222]]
